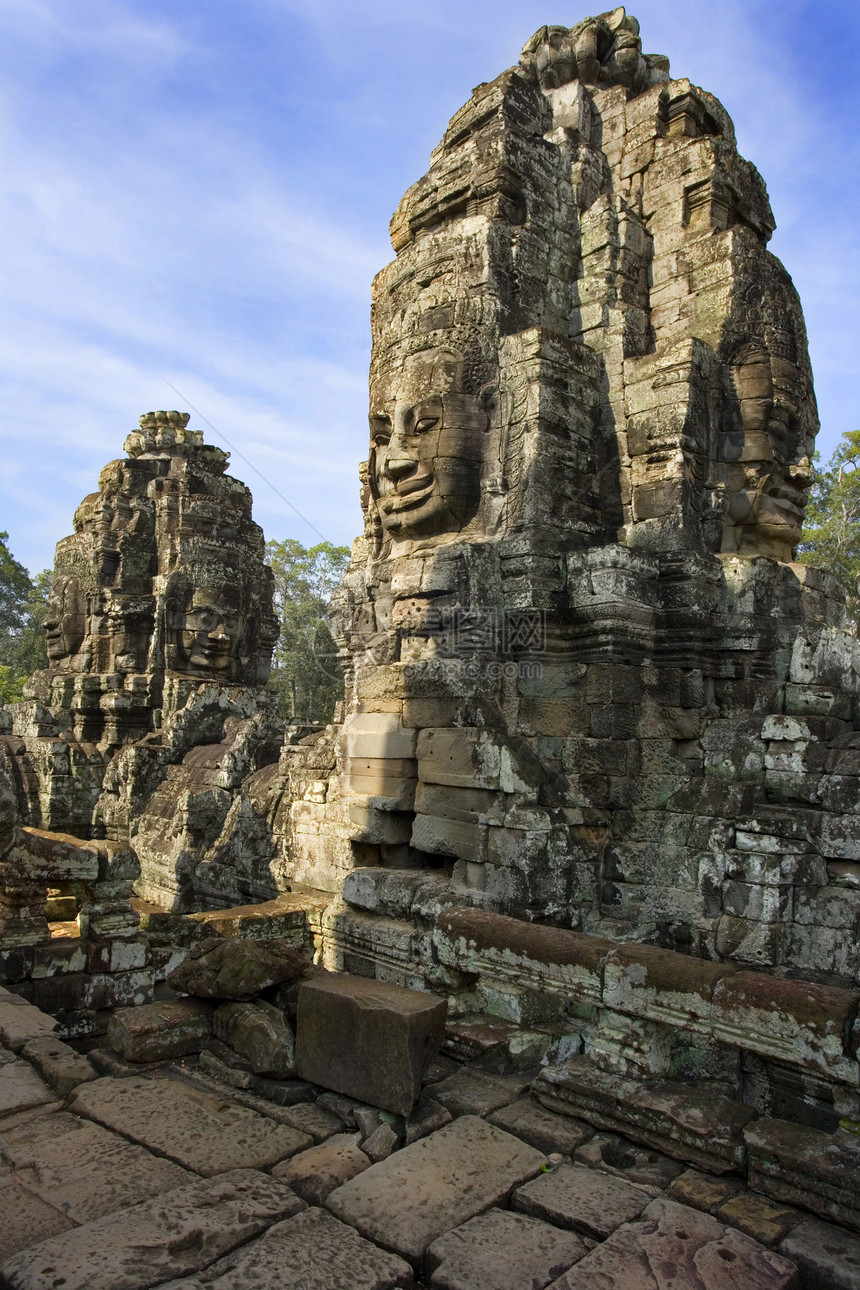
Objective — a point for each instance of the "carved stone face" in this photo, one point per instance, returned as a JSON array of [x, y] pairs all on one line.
[[65, 619], [209, 632], [767, 471], [427, 445]]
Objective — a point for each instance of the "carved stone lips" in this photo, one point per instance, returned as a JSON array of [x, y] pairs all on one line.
[[408, 493]]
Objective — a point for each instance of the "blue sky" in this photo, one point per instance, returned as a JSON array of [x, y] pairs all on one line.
[[201, 192]]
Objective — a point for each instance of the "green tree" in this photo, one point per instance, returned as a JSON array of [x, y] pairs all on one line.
[[305, 671], [23, 602], [831, 530]]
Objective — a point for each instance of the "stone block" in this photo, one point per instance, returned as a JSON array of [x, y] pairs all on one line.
[[673, 1246], [181, 1231], [258, 1032], [58, 1064], [47, 1154], [702, 1191], [543, 1129], [806, 1167], [380, 1143], [26, 1219], [367, 1039], [463, 758], [159, 1032], [828, 1257], [20, 1086], [234, 968], [409, 1200], [796, 1021], [196, 1129], [759, 1217], [427, 1116], [684, 1121], [581, 1200], [473, 1092], [20, 1022], [314, 1173], [312, 1251], [310, 1118], [502, 1251]]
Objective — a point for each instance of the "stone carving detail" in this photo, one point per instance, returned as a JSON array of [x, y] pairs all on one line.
[[160, 628], [573, 618]]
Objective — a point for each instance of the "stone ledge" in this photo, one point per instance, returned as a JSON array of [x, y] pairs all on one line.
[[806, 1167]]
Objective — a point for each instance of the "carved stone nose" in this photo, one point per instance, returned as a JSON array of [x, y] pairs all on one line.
[[398, 467]]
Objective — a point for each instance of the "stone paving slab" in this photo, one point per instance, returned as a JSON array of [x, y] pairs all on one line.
[[471, 1092], [58, 1064], [583, 1200], [502, 1251], [200, 1130], [20, 1022], [307, 1117], [315, 1174], [759, 1217], [84, 1170], [20, 1088], [26, 1218], [625, 1159], [310, 1252], [409, 1200], [541, 1128], [703, 1191], [181, 1232], [676, 1248], [828, 1257]]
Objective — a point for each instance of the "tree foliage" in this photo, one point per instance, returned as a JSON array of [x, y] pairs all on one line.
[[23, 602], [831, 531], [305, 671]]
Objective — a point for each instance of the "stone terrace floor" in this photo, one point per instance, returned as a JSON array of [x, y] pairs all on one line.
[[117, 1177]]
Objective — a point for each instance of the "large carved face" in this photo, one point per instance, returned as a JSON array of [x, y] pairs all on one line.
[[65, 618], [208, 632], [767, 470], [427, 445]]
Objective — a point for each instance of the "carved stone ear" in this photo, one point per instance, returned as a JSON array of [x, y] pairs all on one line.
[[489, 399]]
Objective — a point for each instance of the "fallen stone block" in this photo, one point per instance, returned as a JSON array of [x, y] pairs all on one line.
[[259, 1033], [20, 1022], [159, 1032], [541, 1128], [180, 1232], [502, 1251], [204, 1132], [47, 1154], [233, 968], [226, 1072], [688, 1122], [409, 1200], [315, 1173], [58, 1064], [828, 1257], [380, 1144], [806, 1167], [367, 1039], [310, 1252], [676, 1248], [21, 1088], [581, 1200]]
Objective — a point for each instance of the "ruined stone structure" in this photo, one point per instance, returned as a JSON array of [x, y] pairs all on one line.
[[597, 769], [586, 682], [160, 632]]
